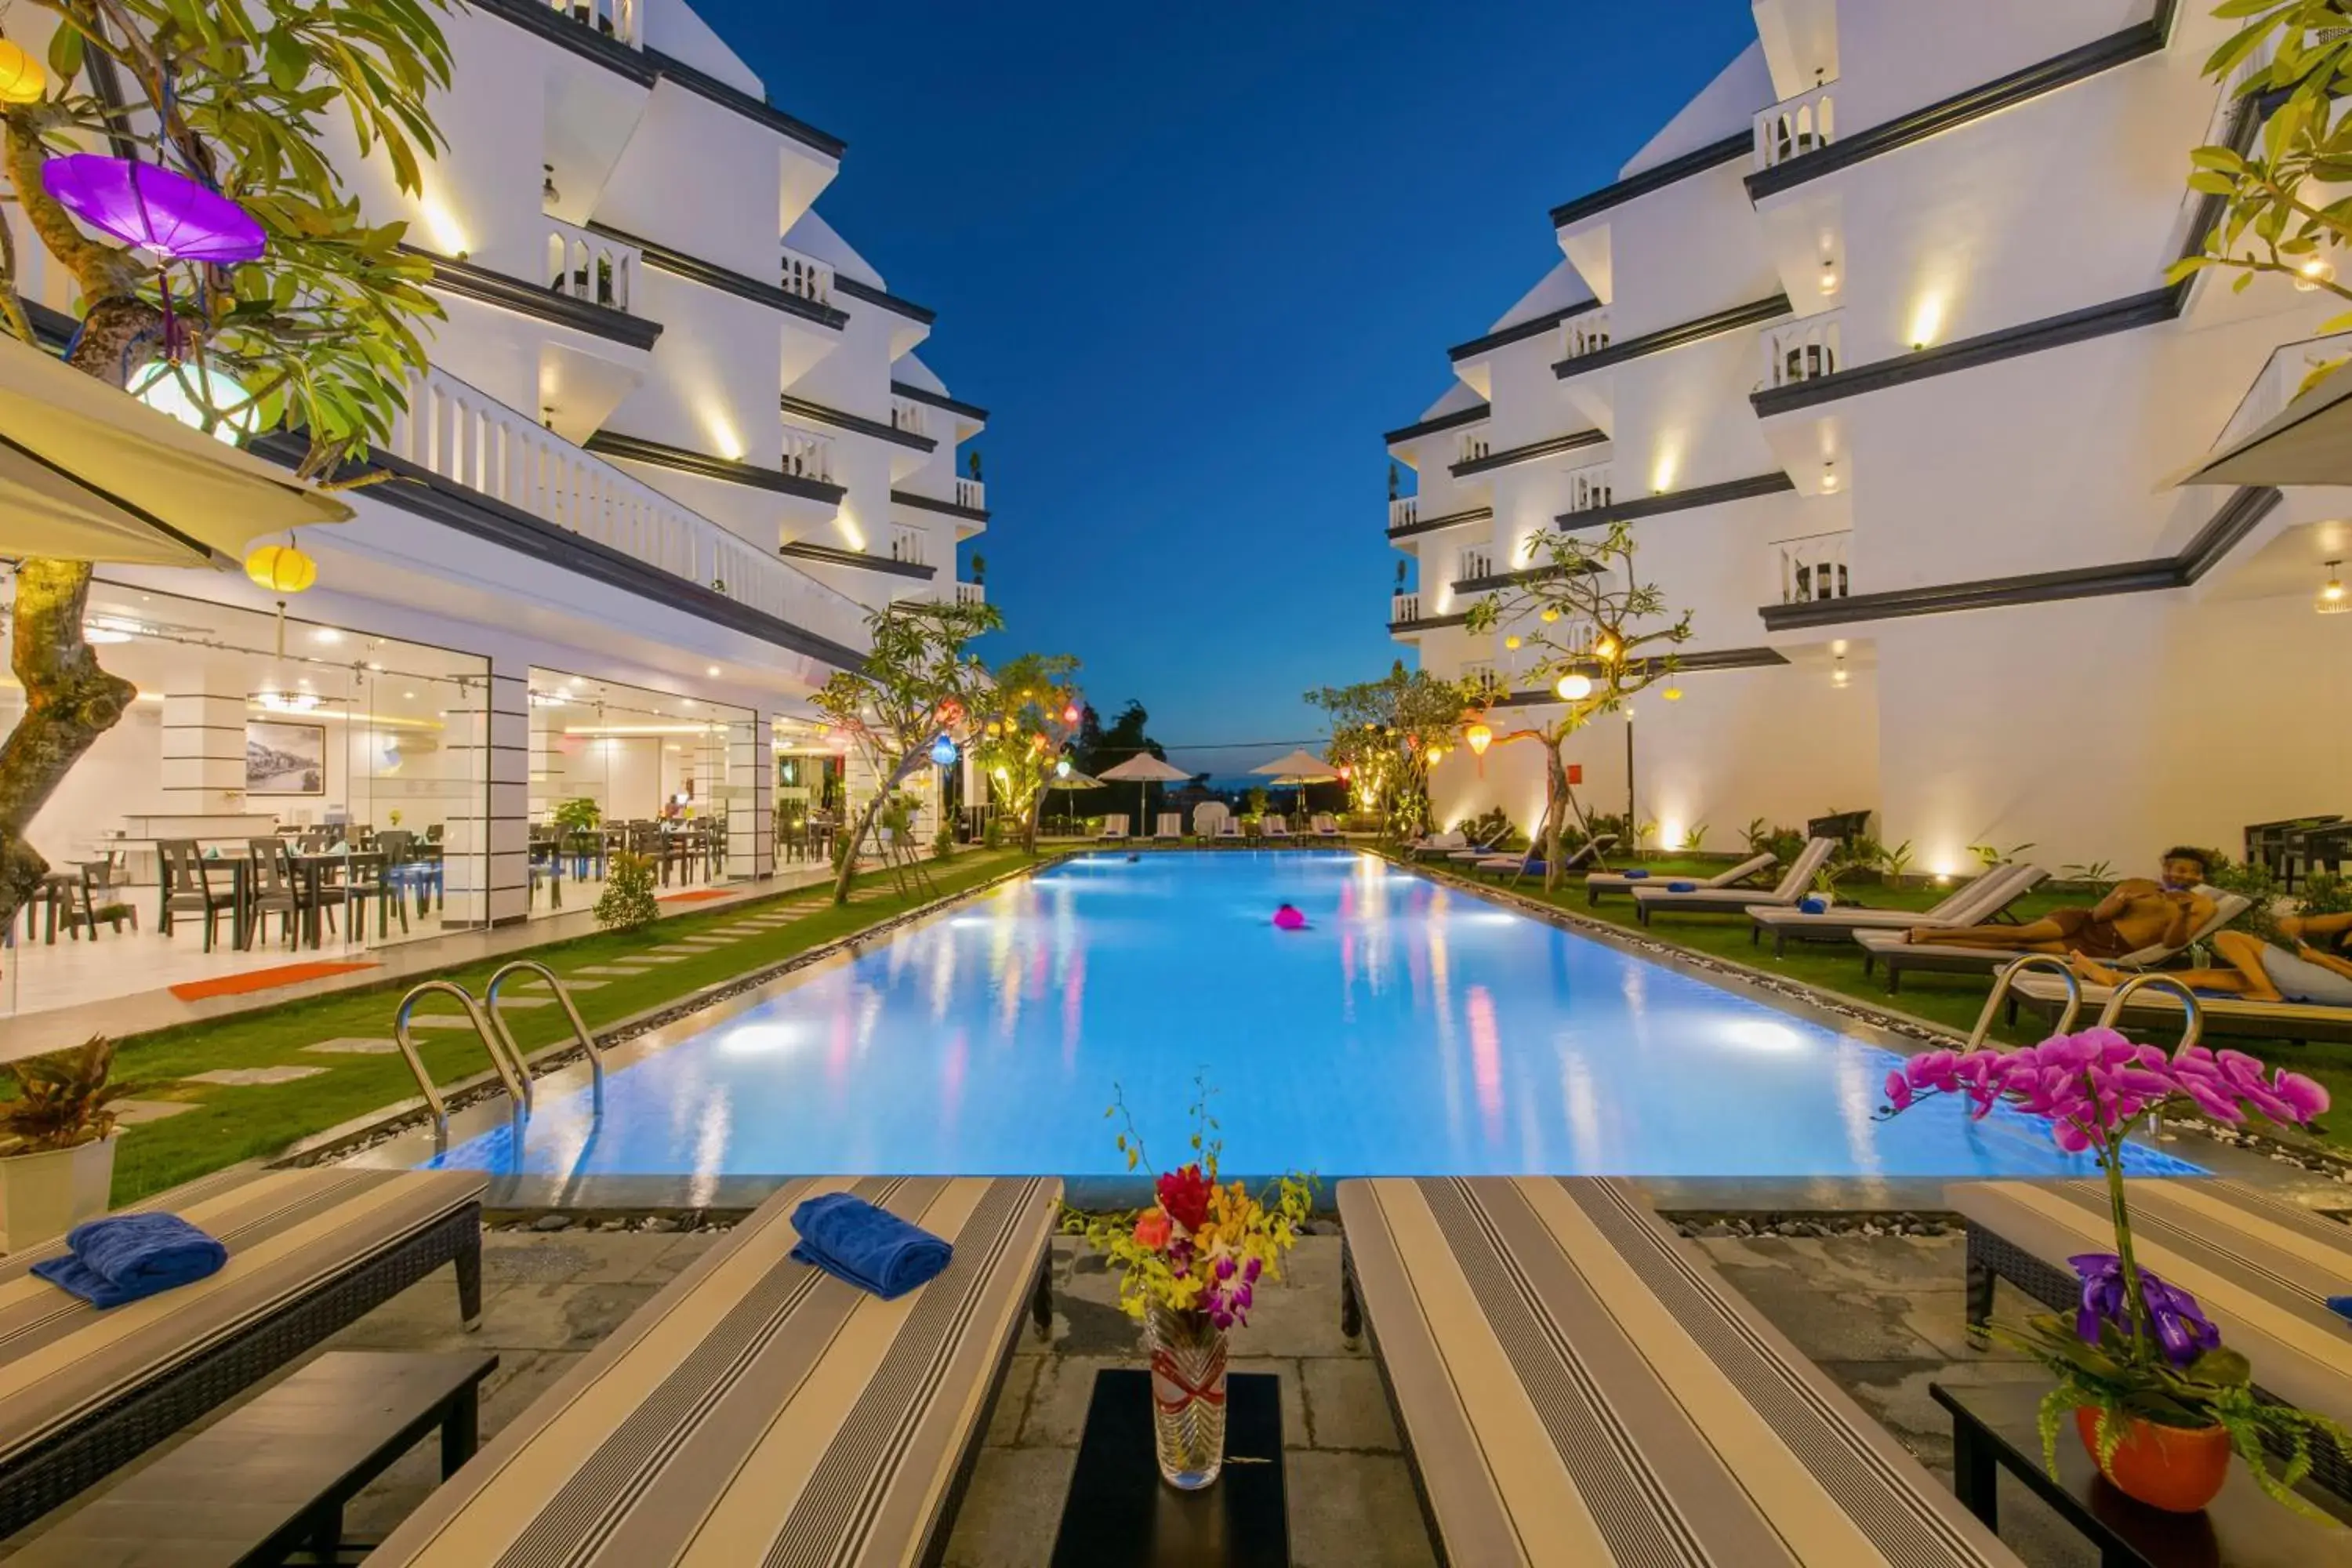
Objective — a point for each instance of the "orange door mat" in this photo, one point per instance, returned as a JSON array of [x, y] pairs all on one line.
[[696, 897], [262, 980]]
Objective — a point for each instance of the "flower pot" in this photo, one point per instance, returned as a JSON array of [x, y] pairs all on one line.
[[2179, 1469], [43, 1196], [1187, 1396]]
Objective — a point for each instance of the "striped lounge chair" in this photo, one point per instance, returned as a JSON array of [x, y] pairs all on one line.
[[1896, 951], [1601, 882], [758, 1411], [1578, 1386], [1659, 896], [1974, 901], [2154, 1007], [2261, 1267], [83, 1392]]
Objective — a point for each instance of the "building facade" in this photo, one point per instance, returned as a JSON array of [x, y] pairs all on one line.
[[676, 442], [1871, 347]]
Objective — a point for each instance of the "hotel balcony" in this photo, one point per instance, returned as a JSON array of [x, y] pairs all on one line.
[[1591, 488], [1796, 126], [1802, 349], [971, 494], [907, 415], [971, 594], [1405, 609], [1586, 333], [618, 20], [807, 455], [1404, 512], [594, 269], [806, 278], [1812, 567]]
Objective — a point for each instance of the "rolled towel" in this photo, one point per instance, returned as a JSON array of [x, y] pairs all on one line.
[[130, 1256], [2341, 1306], [1635, 875], [1682, 887], [1813, 905], [871, 1248]]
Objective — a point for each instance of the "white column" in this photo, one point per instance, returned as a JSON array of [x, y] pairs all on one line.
[[751, 799], [547, 781], [488, 842], [204, 741]]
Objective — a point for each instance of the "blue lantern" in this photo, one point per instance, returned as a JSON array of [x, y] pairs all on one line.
[[943, 752]]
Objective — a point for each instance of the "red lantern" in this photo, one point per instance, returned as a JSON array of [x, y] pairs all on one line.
[[1346, 772], [951, 712], [1070, 713]]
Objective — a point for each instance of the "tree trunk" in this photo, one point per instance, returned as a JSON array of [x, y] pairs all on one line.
[[848, 867], [1029, 824], [1555, 811]]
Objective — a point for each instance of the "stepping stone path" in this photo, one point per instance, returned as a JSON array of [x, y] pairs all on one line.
[[440, 1021], [354, 1045], [610, 969], [138, 1112], [572, 985], [661, 958], [241, 1077]]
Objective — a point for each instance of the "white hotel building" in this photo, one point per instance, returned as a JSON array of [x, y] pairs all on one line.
[[675, 442], [1871, 346]]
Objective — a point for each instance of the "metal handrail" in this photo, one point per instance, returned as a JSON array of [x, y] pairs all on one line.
[[571, 1009], [2009, 973], [517, 1093], [2189, 1004]]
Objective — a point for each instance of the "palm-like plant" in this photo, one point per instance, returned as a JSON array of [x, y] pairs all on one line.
[[64, 1098]]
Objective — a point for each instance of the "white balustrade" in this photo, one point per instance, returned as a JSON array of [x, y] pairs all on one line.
[[906, 544], [1481, 677], [972, 493], [1813, 567], [1473, 564], [1584, 334], [1404, 607], [467, 436], [1803, 349], [1796, 126], [1591, 488], [615, 19], [593, 268], [907, 415], [1473, 446], [1404, 511], [807, 455], [971, 594], [807, 277]]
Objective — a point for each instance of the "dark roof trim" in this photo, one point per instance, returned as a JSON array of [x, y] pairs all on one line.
[[475, 282], [1549, 448], [889, 301], [804, 550], [712, 275], [940, 400], [2230, 524], [1431, 524], [843, 420], [1444, 422], [1675, 337], [1684, 664], [932, 503], [1735, 146], [2134, 42], [1498, 581], [660, 454], [1533, 327], [1679, 500], [2032, 337], [645, 66], [469, 511], [1430, 623]]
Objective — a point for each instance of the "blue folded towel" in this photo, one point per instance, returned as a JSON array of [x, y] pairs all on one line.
[[2340, 1305], [1635, 875], [871, 1248], [1682, 887], [132, 1256], [1813, 906]]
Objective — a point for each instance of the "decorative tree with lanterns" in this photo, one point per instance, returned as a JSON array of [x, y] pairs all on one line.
[[218, 258], [1018, 731], [907, 705], [1581, 618], [1385, 736]]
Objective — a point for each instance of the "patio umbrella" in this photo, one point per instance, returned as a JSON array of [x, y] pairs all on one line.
[[1073, 780], [89, 473], [2308, 442], [1143, 770], [1300, 768]]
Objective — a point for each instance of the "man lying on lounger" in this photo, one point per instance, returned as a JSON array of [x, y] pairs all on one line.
[[2139, 913], [2318, 973]]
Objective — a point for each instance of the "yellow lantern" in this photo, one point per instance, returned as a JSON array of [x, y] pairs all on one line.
[[994, 729], [1512, 642], [1606, 647], [22, 79], [1549, 614], [1479, 737], [1672, 694], [281, 568], [1573, 687]]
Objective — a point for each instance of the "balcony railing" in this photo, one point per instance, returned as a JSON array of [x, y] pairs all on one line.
[[1591, 488], [907, 545], [1796, 126], [1803, 349], [1584, 334], [615, 19], [1473, 445], [1483, 680], [1404, 512], [807, 455], [1472, 564], [589, 267], [1403, 607], [1813, 567], [907, 415], [972, 493], [467, 436], [807, 277], [971, 594]]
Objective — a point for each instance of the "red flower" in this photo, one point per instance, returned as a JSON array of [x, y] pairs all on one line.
[[1184, 1195], [1151, 1230]]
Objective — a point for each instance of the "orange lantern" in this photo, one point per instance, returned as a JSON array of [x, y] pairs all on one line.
[[1070, 713]]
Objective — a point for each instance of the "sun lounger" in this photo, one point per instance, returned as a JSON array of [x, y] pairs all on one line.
[[1601, 882], [1577, 1384], [1437, 844], [758, 1411], [1897, 953], [1972, 903], [2261, 1267], [1478, 851], [83, 1392], [1169, 829], [1520, 865], [1114, 827], [1325, 826], [1794, 884], [2157, 1008], [1230, 826], [1273, 825]]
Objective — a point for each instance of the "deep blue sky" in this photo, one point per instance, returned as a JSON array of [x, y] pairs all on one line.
[[1194, 259]]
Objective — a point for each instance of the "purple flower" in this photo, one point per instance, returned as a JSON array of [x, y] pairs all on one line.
[[2182, 1329]]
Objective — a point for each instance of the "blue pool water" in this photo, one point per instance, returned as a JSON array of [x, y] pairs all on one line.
[[1411, 1030]]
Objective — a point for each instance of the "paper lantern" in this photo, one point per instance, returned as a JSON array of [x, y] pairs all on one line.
[[1573, 687], [1062, 769], [1672, 694], [943, 752], [1549, 614], [994, 729], [153, 208], [22, 79], [1070, 714], [1479, 737], [163, 387], [1512, 642], [950, 711], [281, 568], [1037, 743], [1606, 647]]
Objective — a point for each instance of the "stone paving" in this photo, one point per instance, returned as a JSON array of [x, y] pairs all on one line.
[[1882, 1314]]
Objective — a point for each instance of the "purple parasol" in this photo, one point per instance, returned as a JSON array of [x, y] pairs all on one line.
[[153, 208]]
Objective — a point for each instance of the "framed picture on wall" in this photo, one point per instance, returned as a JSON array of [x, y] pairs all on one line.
[[284, 759]]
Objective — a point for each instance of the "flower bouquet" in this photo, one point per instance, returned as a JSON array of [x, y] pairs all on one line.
[[1189, 1267], [2155, 1397]]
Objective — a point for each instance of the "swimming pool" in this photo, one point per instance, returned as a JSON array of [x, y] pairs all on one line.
[[1412, 1029]]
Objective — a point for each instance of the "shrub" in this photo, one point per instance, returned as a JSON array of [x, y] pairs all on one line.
[[63, 1098], [578, 814], [627, 904]]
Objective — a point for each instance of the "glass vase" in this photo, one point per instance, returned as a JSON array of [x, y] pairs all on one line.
[[1187, 1396]]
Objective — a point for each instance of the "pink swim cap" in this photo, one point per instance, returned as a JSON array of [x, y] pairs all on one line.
[[1289, 919]]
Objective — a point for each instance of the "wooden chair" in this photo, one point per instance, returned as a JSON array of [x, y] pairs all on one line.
[[188, 888], [274, 890]]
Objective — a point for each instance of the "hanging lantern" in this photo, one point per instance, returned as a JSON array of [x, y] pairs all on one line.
[[1037, 743], [22, 79], [1573, 687], [1549, 614], [1605, 647], [160, 386], [994, 729], [951, 712], [943, 752], [154, 209], [281, 569], [1480, 738], [1346, 772], [1070, 713], [1412, 742], [1672, 694], [1062, 768], [1512, 642]]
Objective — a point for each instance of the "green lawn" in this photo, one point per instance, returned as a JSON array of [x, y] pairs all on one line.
[[244, 1122]]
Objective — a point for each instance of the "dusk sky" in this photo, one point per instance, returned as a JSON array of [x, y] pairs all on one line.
[[1194, 259]]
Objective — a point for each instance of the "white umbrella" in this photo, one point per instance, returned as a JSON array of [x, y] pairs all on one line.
[[1072, 780], [1143, 770], [89, 473], [1300, 768]]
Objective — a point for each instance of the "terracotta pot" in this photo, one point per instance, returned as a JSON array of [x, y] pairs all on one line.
[[43, 1196], [2175, 1469]]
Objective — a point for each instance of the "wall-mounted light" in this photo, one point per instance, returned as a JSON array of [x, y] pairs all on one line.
[[2333, 598], [1830, 278], [1828, 478], [2313, 272], [1838, 673]]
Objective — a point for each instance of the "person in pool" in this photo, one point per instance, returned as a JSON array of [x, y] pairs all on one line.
[[2139, 913], [1289, 917], [2318, 973]]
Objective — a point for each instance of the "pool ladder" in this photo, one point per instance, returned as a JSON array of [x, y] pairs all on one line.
[[2192, 1030], [498, 1041]]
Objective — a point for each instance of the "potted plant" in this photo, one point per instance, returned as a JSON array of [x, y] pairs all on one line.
[[1188, 1268], [2155, 1397], [57, 1143], [628, 902]]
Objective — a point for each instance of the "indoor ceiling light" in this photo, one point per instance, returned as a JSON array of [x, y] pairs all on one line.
[[2334, 598]]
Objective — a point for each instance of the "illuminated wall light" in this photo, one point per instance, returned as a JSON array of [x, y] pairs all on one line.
[[1830, 278], [1838, 673], [1927, 319], [2314, 273], [449, 235], [2333, 598], [1828, 478], [723, 437], [850, 531]]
